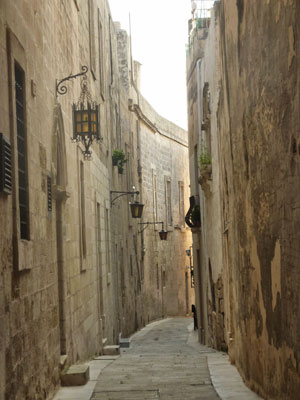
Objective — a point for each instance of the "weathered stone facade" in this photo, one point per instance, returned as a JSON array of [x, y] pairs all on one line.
[[248, 58], [164, 168], [71, 262]]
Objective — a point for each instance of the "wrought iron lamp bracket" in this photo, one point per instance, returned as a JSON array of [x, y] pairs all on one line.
[[63, 89], [120, 194], [150, 223]]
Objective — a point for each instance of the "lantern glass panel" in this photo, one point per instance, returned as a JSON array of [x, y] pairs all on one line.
[[136, 210], [85, 119], [94, 121], [163, 235]]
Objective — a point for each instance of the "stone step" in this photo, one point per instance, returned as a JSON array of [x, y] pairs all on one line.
[[111, 350], [75, 375], [124, 342]]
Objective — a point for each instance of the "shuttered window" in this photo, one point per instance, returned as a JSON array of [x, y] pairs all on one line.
[[49, 193], [5, 165], [22, 153]]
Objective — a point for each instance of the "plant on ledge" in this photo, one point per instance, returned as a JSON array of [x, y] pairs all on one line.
[[118, 158], [205, 164], [204, 159]]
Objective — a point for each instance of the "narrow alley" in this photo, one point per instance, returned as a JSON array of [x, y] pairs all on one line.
[[164, 361], [149, 175]]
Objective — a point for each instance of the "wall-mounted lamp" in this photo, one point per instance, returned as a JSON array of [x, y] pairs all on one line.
[[136, 207], [85, 114], [162, 234]]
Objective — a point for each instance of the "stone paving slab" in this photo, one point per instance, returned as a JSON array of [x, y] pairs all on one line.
[[165, 361], [226, 379], [84, 392], [159, 363]]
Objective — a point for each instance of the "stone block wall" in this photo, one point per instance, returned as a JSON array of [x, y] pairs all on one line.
[[164, 162], [50, 300], [257, 146], [263, 59], [203, 82], [77, 281]]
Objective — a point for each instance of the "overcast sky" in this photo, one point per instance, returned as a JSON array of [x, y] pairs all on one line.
[[159, 34]]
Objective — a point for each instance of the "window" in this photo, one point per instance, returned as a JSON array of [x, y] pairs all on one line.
[[99, 260], [49, 193], [101, 54], [154, 191], [92, 38], [206, 125], [107, 241], [157, 277], [22, 152], [6, 180], [169, 217], [110, 52], [117, 127], [131, 265], [82, 210], [163, 278], [181, 203]]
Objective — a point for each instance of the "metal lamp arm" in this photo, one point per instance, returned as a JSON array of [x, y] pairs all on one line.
[[120, 195], [150, 223], [63, 89]]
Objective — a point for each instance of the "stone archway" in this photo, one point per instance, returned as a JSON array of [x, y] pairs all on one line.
[[60, 181]]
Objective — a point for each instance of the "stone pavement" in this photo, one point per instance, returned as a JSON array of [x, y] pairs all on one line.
[[164, 362]]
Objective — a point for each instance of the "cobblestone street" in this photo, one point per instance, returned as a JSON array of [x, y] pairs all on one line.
[[160, 365], [164, 362]]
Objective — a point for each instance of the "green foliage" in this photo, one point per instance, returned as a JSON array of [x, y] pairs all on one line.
[[118, 158], [204, 158]]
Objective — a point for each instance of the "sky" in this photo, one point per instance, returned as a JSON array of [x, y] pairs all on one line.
[[159, 35]]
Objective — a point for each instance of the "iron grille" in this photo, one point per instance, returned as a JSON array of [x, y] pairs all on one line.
[[22, 152], [5, 165], [49, 193]]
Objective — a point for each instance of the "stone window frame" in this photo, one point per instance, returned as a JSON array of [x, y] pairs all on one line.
[[101, 55], [81, 211], [154, 192], [23, 247], [157, 277], [92, 44], [206, 116], [181, 214], [163, 278], [110, 25], [168, 203], [107, 239]]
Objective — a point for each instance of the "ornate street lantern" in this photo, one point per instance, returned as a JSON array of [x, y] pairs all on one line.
[[85, 120], [136, 209], [163, 234], [85, 113]]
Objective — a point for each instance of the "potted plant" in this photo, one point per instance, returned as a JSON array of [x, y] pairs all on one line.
[[118, 158]]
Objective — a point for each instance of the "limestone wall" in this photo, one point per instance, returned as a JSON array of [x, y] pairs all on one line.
[[78, 280], [50, 300], [257, 146], [262, 55], [164, 167]]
